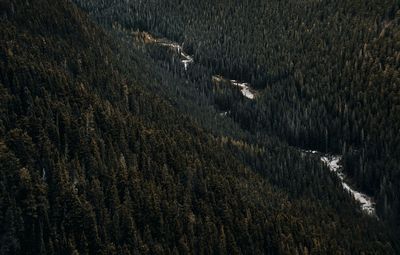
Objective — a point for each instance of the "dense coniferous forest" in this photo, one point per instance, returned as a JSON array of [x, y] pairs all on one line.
[[327, 72], [108, 146]]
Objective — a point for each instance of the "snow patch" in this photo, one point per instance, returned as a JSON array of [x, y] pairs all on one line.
[[243, 86], [367, 203], [186, 59], [224, 114]]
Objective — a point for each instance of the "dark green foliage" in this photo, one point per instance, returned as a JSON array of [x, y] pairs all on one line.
[[327, 71], [105, 150]]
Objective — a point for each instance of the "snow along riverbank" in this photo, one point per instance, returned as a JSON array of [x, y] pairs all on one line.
[[186, 59], [244, 87], [334, 164]]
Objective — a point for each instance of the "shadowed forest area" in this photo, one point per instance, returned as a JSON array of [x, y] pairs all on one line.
[[109, 144]]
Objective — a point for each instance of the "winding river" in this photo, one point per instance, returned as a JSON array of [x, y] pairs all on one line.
[[186, 60], [367, 203]]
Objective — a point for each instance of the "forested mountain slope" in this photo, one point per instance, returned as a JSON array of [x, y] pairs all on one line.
[[327, 72], [93, 161]]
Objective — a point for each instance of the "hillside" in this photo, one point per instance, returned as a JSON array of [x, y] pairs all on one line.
[[327, 73], [108, 146]]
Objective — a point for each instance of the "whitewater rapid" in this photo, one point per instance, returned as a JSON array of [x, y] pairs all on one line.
[[333, 162], [244, 87]]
